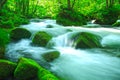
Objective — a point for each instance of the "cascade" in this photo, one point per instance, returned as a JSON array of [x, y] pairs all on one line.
[[73, 64]]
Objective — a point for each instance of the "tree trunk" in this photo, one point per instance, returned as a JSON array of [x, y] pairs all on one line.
[[73, 4], [107, 3], [68, 4], [2, 2]]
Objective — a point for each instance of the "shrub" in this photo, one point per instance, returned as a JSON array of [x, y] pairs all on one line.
[[4, 37], [70, 17]]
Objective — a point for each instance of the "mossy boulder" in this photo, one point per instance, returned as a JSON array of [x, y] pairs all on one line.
[[49, 77], [19, 33], [88, 40], [6, 69], [50, 56], [44, 74], [117, 23], [41, 38], [27, 69]]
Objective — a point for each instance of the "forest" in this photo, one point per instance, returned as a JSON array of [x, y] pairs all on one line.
[[45, 39]]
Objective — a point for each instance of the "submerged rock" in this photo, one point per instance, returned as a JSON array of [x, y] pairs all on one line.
[[19, 33], [6, 69], [41, 38], [49, 26], [87, 40], [50, 56]]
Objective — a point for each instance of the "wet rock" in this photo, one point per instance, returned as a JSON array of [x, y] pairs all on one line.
[[19, 33], [28, 69], [88, 40], [6, 69], [117, 23], [41, 38], [49, 77], [49, 26], [50, 56]]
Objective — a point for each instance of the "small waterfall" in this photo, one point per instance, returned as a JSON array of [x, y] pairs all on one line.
[[73, 64]]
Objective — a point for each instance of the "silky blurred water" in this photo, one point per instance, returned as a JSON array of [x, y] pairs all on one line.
[[73, 64]]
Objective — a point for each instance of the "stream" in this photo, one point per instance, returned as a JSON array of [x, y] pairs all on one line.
[[73, 64]]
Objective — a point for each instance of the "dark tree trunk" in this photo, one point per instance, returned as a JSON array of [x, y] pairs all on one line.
[[107, 3], [2, 2], [68, 4], [73, 4]]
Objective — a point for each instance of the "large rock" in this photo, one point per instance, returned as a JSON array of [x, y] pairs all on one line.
[[41, 38], [87, 40], [117, 23], [28, 69], [19, 33], [6, 69], [50, 56]]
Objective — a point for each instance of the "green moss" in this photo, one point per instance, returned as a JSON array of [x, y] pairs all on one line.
[[2, 52], [116, 24], [19, 33], [4, 37], [26, 69], [41, 38], [6, 68], [49, 77], [50, 56], [88, 40]]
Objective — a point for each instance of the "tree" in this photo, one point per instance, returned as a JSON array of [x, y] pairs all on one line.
[[2, 2]]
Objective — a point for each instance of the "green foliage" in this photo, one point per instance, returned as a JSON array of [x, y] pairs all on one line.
[[108, 15], [50, 56], [19, 33], [4, 37], [10, 19], [70, 17], [41, 38], [6, 69]]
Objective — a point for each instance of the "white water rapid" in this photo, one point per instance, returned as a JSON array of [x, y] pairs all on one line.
[[73, 64]]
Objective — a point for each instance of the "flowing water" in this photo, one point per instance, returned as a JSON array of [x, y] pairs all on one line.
[[73, 64]]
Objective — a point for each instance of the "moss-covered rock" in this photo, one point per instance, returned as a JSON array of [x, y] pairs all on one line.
[[6, 69], [88, 40], [49, 77], [44, 74], [26, 69], [41, 38], [117, 23], [19, 33], [50, 56]]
